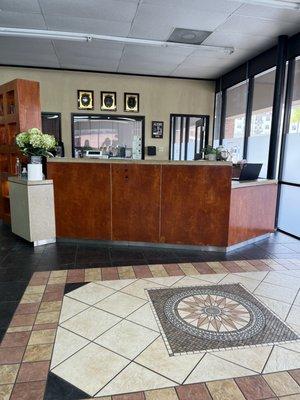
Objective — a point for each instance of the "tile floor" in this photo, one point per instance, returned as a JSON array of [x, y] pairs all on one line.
[[95, 330]]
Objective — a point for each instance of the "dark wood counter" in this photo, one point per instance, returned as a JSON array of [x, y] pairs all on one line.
[[157, 202]]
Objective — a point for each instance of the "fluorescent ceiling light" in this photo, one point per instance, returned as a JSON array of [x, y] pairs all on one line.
[[290, 5], [86, 37]]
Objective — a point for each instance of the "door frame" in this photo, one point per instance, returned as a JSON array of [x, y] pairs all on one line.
[[171, 142]]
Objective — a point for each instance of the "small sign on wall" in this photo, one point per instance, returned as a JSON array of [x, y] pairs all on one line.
[[157, 129]]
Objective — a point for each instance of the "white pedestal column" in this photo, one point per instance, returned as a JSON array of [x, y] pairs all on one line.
[[32, 210]]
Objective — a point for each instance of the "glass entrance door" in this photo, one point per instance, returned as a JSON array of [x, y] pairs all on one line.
[[189, 135]]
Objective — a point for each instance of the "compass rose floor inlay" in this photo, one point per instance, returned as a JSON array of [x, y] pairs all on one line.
[[201, 318]]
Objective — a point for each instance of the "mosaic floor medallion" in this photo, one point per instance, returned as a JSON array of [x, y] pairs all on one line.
[[201, 318]]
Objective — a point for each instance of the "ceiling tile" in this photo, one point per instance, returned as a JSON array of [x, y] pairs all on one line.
[[167, 18], [239, 40], [21, 20], [273, 13], [29, 6], [257, 26], [86, 25], [95, 49], [204, 5], [112, 10], [87, 63]]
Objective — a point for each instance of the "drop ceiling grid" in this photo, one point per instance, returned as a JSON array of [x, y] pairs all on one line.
[[250, 29]]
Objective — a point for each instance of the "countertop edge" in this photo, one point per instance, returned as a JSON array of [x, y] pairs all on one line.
[[240, 185], [29, 183], [150, 162]]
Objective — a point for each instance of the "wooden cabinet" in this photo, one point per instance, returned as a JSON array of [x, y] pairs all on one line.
[[82, 195], [195, 204], [135, 202], [19, 110]]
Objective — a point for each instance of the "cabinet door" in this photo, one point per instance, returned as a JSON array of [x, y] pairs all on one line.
[[82, 200], [195, 204], [135, 202]]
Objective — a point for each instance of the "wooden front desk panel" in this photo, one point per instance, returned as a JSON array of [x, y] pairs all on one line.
[[82, 200], [195, 204], [252, 212], [135, 202]]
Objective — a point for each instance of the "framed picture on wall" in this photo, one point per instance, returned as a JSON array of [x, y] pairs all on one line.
[[108, 101], [85, 99], [131, 102], [157, 129]]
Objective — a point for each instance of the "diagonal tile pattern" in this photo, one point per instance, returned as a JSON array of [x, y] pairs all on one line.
[[149, 382]]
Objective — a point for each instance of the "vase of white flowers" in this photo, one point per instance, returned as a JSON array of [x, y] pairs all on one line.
[[35, 144]]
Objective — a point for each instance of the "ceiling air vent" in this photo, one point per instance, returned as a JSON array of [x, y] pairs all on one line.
[[188, 36]]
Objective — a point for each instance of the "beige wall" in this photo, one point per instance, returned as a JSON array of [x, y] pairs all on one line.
[[159, 97]]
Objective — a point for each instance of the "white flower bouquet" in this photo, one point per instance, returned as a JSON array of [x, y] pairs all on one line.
[[35, 143]]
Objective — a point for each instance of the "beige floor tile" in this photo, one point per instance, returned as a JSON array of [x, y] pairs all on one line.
[[135, 378], [247, 267], [139, 287], [217, 267], [158, 270], [282, 359], [116, 284], [297, 300], [8, 373], [249, 284], [47, 317], [156, 358], [291, 272], [282, 383], [71, 307], [225, 390], [277, 278], [126, 272], [91, 368], [91, 293], [211, 278], [31, 298], [57, 281], [253, 358], [92, 274], [161, 394], [127, 339], [291, 397], [90, 323], [5, 391], [144, 316], [258, 275], [58, 273], [191, 281], [188, 269], [294, 315], [276, 292], [66, 344], [50, 306], [278, 307], [120, 304], [42, 337], [294, 346], [211, 368], [38, 352], [35, 289], [165, 281]]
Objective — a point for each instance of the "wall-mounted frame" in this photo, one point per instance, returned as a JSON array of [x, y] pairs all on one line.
[[85, 99], [157, 130], [131, 102], [108, 101]]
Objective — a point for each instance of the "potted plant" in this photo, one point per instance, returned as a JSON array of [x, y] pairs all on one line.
[[35, 144], [210, 153]]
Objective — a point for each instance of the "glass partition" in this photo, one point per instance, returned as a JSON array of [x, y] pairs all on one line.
[[289, 210], [261, 119], [189, 136], [108, 136], [235, 118], [217, 119]]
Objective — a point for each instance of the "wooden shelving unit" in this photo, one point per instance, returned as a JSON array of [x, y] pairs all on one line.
[[20, 109]]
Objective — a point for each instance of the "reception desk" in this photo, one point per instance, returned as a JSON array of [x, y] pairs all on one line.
[[160, 202]]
